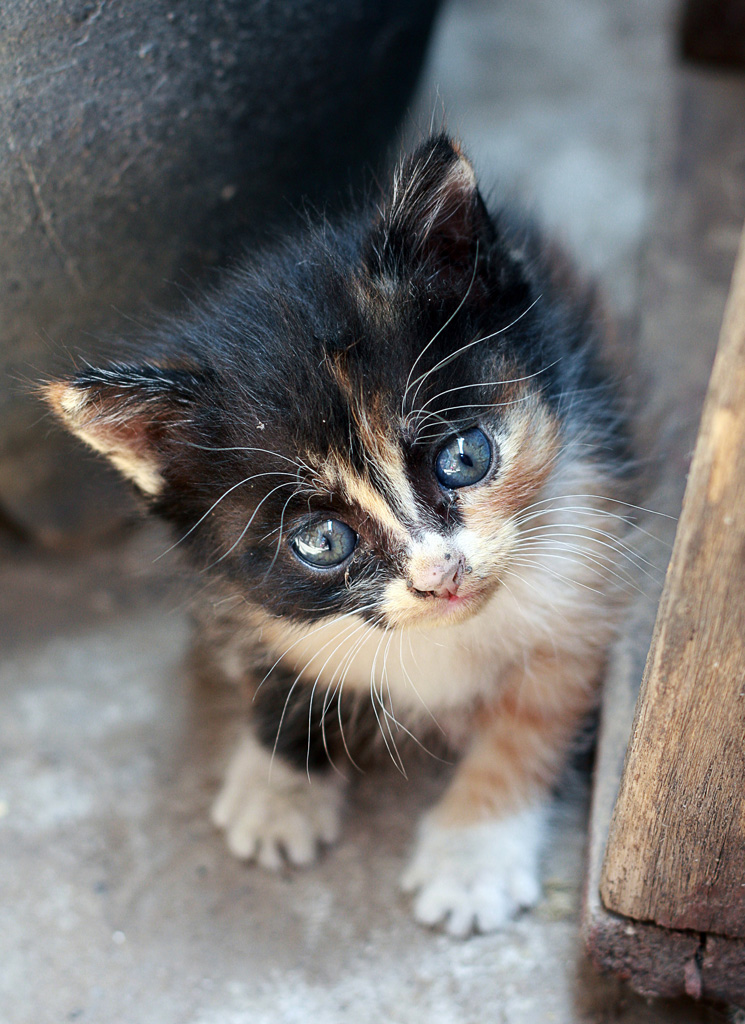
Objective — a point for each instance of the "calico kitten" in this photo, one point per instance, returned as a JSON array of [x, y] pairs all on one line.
[[392, 440]]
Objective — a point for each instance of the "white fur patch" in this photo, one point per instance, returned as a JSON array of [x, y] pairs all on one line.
[[476, 877], [271, 813]]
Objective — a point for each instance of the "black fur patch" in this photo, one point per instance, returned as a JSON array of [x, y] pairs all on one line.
[[306, 729]]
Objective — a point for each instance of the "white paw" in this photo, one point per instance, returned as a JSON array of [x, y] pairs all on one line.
[[271, 813], [475, 877]]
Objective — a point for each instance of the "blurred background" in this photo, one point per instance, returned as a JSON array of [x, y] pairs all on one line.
[[145, 144]]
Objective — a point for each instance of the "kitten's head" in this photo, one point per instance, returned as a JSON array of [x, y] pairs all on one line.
[[358, 418]]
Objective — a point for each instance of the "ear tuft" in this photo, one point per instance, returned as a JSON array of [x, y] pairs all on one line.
[[67, 401], [125, 413], [434, 218]]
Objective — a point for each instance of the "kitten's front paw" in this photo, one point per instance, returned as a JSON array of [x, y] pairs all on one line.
[[271, 813], [475, 877]]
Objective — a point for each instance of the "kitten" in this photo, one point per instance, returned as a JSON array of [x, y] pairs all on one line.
[[392, 440]]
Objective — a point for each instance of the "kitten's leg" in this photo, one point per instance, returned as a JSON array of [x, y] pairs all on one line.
[[476, 862], [280, 800], [272, 812]]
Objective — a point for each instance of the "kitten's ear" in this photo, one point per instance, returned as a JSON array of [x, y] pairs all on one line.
[[434, 216], [129, 414]]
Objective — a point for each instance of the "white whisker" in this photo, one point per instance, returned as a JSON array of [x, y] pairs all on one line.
[[323, 625], [244, 531], [527, 563], [601, 497], [437, 334], [345, 666], [310, 704], [214, 506], [374, 696], [297, 680], [594, 565], [464, 348], [613, 543], [411, 682], [483, 384]]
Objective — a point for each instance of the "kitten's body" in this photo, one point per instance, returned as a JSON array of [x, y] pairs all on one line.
[[393, 444]]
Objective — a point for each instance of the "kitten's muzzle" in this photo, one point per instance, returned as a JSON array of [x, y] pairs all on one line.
[[440, 577]]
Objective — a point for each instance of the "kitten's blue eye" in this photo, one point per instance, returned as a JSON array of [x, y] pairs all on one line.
[[325, 544], [464, 460]]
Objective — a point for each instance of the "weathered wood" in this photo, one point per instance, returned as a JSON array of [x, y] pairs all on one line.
[[700, 205], [677, 841]]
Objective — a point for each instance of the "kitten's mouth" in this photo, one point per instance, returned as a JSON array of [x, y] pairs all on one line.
[[455, 605], [448, 607]]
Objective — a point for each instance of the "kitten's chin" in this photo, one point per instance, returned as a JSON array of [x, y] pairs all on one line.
[[456, 607]]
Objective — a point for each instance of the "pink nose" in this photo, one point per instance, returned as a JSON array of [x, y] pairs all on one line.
[[441, 577]]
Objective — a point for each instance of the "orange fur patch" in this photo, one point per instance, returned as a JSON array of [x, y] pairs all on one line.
[[527, 449], [521, 739], [373, 427], [356, 489]]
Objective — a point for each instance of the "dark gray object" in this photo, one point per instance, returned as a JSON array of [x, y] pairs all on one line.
[[143, 142]]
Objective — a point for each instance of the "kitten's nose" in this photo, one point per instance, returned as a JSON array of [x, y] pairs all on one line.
[[440, 576]]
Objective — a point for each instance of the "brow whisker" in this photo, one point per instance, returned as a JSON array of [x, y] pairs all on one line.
[[482, 384], [464, 348], [247, 448], [437, 334], [471, 405]]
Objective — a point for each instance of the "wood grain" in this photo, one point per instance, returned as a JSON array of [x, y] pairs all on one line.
[[676, 849]]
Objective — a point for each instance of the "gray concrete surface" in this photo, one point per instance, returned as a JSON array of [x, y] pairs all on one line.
[[118, 902]]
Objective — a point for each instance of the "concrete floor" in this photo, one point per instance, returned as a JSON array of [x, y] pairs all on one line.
[[118, 901]]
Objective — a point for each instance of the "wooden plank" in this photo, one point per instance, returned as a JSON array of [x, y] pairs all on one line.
[[677, 839], [700, 205]]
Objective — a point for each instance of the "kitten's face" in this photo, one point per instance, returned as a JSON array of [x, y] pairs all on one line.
[[414, 526], [356, 425]]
